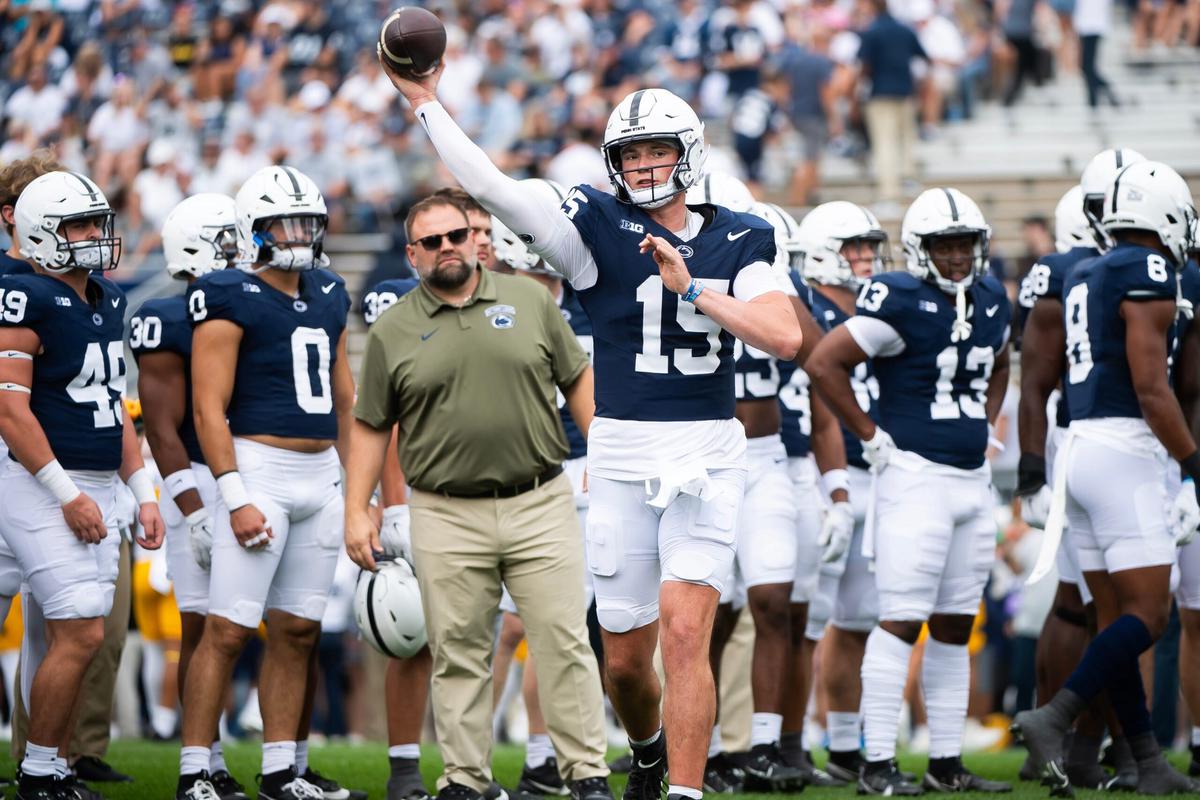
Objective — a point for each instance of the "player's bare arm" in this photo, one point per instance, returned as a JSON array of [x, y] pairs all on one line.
[[581, 400], [830, 366], [1187, 378], [133, 472], [997, 384], [24, 435], [1043, 347], [368, 447], [161, 376], [1146, 326], [214, 355], [343, 398]]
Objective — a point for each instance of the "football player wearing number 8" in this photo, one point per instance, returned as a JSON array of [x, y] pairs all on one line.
[[270, 341], [937, 336], [1120, 314], [62, 373], [198, 238], [667, 288]]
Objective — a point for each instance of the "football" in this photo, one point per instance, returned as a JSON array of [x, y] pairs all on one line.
[[413, 41]]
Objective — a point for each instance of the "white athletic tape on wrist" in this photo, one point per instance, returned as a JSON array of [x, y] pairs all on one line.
[[14, 387], [56, 479], [179, 482], [142, 486], [835, 479], [16, 355], [233, 491]]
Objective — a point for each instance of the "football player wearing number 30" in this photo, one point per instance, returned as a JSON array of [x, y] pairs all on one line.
[[270, 340], [667, 287], [1120, 311], [62, 374], [937, 337]]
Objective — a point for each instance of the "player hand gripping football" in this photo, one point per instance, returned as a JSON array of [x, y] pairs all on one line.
[[674, 272], [153, 529], [250, 526], [415, 90], [85, 520]]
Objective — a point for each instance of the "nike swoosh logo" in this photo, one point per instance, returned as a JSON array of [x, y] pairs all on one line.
[[733, 237], [329, 288], [116, 303], [643, 765], [425, 336], [991, 312]]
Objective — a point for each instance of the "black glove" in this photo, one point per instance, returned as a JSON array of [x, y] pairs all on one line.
[[1031, 473], [1190, 467]]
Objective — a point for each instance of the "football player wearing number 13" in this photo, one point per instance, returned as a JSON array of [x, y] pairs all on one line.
[[62, 374], [270, 341], [667, 287], [1120, 314], [937, 336]]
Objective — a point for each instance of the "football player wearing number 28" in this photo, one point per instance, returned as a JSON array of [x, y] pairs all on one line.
[[667, 288], [62, 375], [937, 337], [270, 340]]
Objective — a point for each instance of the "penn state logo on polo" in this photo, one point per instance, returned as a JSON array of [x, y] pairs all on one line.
[[502, 316]]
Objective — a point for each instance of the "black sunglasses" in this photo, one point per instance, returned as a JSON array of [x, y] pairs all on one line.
[[434, 240]]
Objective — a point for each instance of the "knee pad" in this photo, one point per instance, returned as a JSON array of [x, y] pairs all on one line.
[[623, 620], [79, 601], [246, 613]]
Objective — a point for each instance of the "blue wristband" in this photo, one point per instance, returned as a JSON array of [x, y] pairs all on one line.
[[693, 291]]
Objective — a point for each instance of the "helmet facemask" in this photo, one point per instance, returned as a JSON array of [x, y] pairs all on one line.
[[100, 254], [979, 258], [299, 245], [684, 142]]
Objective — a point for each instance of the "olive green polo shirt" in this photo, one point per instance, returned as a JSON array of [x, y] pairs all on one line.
[[472, 388]]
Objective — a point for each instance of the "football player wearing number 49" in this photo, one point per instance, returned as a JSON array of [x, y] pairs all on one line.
[[667, 287], [62, 374], [1120, 313], [937, 336], [270, 339]]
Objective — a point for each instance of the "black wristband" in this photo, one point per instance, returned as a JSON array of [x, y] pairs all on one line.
[[1031, 474], [1191, 466]]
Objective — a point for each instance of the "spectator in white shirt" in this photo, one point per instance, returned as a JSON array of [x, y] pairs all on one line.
[[943, 43], [117, 133], [38, 105]]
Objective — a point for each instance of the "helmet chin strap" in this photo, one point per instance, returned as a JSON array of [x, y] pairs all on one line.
[[960, 331]]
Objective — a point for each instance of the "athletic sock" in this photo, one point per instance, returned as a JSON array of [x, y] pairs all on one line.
[[302, 757], [764, 728], [646, 742], [791, 745], [216, 760], [884, 672], [193, 760], [1083, 750], [686, 791], [845, 730], [278, 756], [404, 752], [538, 750], [946, 683], [1118, 644]]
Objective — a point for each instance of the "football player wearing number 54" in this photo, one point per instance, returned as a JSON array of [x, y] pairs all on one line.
[[667, 287], [62, 375]]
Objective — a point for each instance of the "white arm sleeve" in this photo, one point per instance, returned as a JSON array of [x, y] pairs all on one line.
[[552, 235], [757, 279], [875, 337]]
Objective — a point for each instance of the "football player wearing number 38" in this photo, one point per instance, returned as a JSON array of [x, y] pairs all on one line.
[[269, 340], [62, 375], [937, 337], [667, 287]]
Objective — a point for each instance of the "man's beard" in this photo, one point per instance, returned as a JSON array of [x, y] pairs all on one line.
[[450, 275]]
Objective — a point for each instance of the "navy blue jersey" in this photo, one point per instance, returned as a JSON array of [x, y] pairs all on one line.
[[1098, 383], [79, 375], [862, 380], [13, 266], [933, 395], [162, 326], [794, 403], [755, 373], [283, 385], [657, 357], [1189, 300], [384, 295], [581, 326]]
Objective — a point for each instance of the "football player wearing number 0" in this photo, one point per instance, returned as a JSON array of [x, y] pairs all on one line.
[[270, 339], [937, 336], [198, 238], [62, 374], [667, 288], [1120, 313]]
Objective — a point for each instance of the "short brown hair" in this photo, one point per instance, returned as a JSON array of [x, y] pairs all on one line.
[[435, 200], [461, 199], [16, 175]]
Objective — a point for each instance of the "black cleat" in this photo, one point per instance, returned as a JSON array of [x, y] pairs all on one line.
[[647, 772], [287, 785], [845, 765], [1029, 770], [1088, 776], [885, 778], [227, 786], [722, 776], [77, 789], [542, 781], [621, 764], [1045, 744], [594, 788], [456, 791], [766, 771], [954, 777], [494, 791], [49, 787], [198, 786], [1157, 777], [90, 768], [331, 789]]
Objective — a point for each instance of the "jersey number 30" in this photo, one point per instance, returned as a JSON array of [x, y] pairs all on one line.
[[651, 359]]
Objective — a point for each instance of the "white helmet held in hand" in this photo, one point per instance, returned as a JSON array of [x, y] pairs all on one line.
[[288, 196], [721, 189], [65, 197], [788, 252], [824, 231], [1071, 226], [510, 250], [939, 213], [387, 608], [654, 115], [1094, 182], [1150, 196], [199, 235]]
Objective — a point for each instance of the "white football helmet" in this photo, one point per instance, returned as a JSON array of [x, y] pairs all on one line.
[[387, 608], [199, 236], [286, 195], [650, 115], [1150, 196], [824, 231], [52, 199], [512, 251], [1096, 178], [1071, 226], [937, 213], [722, 189], [787, 246]]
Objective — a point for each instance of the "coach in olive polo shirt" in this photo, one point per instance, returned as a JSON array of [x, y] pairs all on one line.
[[467, 364]]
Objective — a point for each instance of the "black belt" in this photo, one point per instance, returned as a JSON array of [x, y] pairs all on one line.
[[510, 491]]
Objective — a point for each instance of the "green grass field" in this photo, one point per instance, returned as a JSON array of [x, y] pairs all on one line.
[[364, 766]]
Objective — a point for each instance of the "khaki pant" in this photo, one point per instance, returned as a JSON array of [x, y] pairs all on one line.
[[891, 124], [95, 703], [463, 549]]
